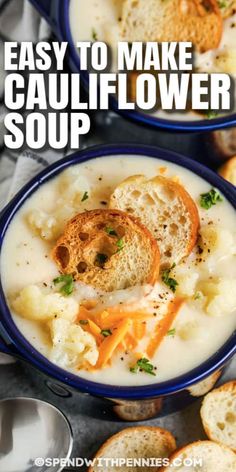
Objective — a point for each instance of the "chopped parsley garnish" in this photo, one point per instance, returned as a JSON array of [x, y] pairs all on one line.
[[120, 244], [197, 296], [211, 114], [143, 365], [83, 322], [68, 283], [171, 332], [169, 281], [110, 231], [101, 259], [207, 200], [85, 197], [222, 3], [106, 332], [94, 35]]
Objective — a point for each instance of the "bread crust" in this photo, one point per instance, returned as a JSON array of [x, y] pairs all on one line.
[[229, 387], [85, 233], [184, 450], [204, 387], [179, 191], [198, 21], [224, 143], [226, 170], [170, 440], [191, 208]]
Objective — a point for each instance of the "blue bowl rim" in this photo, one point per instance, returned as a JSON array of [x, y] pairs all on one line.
[[63, 23], [20, 346]]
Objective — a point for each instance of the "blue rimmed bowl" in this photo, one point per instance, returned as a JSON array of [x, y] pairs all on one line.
[[57, 14], [160, 398]]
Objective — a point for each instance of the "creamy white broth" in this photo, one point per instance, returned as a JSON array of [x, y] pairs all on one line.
[[101, 17], [26, 260]]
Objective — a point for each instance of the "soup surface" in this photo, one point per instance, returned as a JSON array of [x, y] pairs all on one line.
[[206, 282], [100, 20]]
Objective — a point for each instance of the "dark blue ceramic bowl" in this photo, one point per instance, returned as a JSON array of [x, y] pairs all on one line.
[[56, 13], [175, 392]]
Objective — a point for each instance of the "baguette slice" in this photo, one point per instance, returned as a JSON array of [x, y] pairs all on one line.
[[198, 21], [224, 143], [165, 208], [214, 457], [138, 442], [228, 170], [107, 249], [203, 387], [218, 415]]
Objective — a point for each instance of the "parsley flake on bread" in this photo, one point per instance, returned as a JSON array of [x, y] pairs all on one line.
[[107, 249]]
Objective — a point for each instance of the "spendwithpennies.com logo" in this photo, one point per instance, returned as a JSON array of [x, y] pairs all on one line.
[[117, 462]]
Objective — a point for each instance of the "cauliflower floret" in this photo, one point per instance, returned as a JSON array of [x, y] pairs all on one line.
[[71, 344], [221, 297], [217, 240], [71, 189], [42, 223], [187, 284], [187, 279], [73, 185], [33, 304], [226, 62], [191, 330], [49, 227]]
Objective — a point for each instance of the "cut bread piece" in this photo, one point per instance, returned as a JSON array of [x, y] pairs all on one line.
[[142, 442], [205, 456], [203, 387], [165, 208], [198, 21], [224, 143], [107, 249], [218, 415], [228, 170]]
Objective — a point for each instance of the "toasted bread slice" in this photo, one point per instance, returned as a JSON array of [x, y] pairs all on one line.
[[142, 442], [228, 170], [203, 387], [224, 143], [218, 415], [165, 208], [213, 457], [198, 21], [107, 249], [138, 411]]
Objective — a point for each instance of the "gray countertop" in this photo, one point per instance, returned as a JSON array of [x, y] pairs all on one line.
[[89, 431]]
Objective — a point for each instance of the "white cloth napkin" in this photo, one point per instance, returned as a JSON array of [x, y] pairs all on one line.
[[28, 165], [19, 21]]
